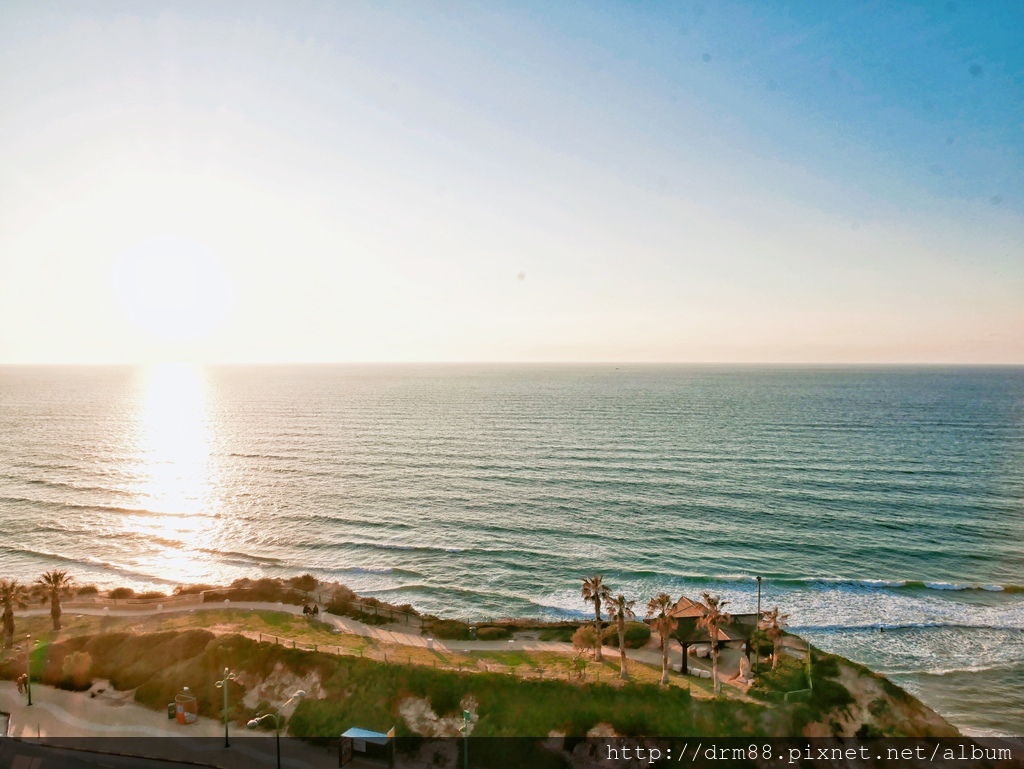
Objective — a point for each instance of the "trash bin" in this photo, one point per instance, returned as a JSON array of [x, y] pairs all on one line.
[[472, 634], [170, 711], [185, 707]]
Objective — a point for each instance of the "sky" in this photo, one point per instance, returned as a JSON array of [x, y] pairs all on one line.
[[822, 182]]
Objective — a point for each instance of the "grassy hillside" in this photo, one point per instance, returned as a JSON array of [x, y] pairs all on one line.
[[349, 691]]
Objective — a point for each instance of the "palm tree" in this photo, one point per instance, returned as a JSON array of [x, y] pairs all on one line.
[[595, 591], [658, 608], [52, 585], [620, 610], [712, 620], [11, 594], [772, 623]]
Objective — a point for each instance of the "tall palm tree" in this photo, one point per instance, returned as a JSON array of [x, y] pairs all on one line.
[[595, 591], [11, 594], [712, 620], [54, 584], [772, 623], [620, 610], [658, 609]]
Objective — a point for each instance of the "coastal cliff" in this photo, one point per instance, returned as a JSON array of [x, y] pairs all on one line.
[[345, 690]]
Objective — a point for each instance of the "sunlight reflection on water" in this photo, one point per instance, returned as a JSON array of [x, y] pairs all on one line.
[[177, 476]]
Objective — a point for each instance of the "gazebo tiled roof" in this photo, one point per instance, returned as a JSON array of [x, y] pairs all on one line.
[[688, 612], [686, 608]]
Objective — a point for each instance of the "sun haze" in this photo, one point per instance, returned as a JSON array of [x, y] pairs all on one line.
[[262, 182]]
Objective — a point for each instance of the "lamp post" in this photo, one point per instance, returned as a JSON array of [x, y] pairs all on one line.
[[465, 752], [28, 668], [757, 653], [223, 684], [277, 722]]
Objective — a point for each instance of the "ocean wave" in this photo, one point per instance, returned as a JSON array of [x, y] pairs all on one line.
[[356, 571], [938, 672], [245, 558], [35, 553], [895, 627], [106, 508], [447, 592], [825, 582], [88, 563], [401, 547], [893, 584], [260, 456], [313, 518]]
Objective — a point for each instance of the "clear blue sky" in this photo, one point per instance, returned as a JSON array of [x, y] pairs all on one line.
[[831, 182]]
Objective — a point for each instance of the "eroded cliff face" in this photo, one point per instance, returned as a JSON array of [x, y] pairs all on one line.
[[880, 708]]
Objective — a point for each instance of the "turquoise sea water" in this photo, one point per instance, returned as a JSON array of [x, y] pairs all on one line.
[[863, 497]]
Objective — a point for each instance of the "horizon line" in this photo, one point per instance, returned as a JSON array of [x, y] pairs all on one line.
[[617, 363]]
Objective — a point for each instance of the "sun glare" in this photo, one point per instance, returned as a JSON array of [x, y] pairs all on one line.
[[177, 478], [172, 288]]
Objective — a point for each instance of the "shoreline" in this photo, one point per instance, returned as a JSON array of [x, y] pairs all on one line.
[[938, 691], [400, 627]]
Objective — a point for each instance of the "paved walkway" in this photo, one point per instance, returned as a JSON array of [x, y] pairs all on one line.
[[56, 713]]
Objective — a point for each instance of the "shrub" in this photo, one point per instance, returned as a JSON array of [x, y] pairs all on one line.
[[121, 592], [637, 635], [492, 633], [192, 589], [370, 619], [446, 695], [151, 594], [306, 583], [561, 633], [88, 590], [760, 644], [583, 638], [787, 677], [831, 694], [868, 732], [268, 591], [878, 707], [342, 593], [450, 629], [341, 601], [826, 667], [76, 669]]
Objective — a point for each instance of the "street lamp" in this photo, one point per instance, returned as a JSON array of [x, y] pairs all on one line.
[[277, 722], [465, 728], [28, 668], [223, 684], [757, 653]]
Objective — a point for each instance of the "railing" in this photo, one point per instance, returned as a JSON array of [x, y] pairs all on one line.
[[380, 610], [797, 694], [102, 601], [429, 657]]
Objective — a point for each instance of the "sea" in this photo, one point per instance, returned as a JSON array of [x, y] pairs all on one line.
[[882, 507]]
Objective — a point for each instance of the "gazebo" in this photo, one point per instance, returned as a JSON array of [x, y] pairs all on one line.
[[741, 628]]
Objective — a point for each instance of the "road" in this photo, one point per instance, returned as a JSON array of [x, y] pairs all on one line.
[[16, 754]]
